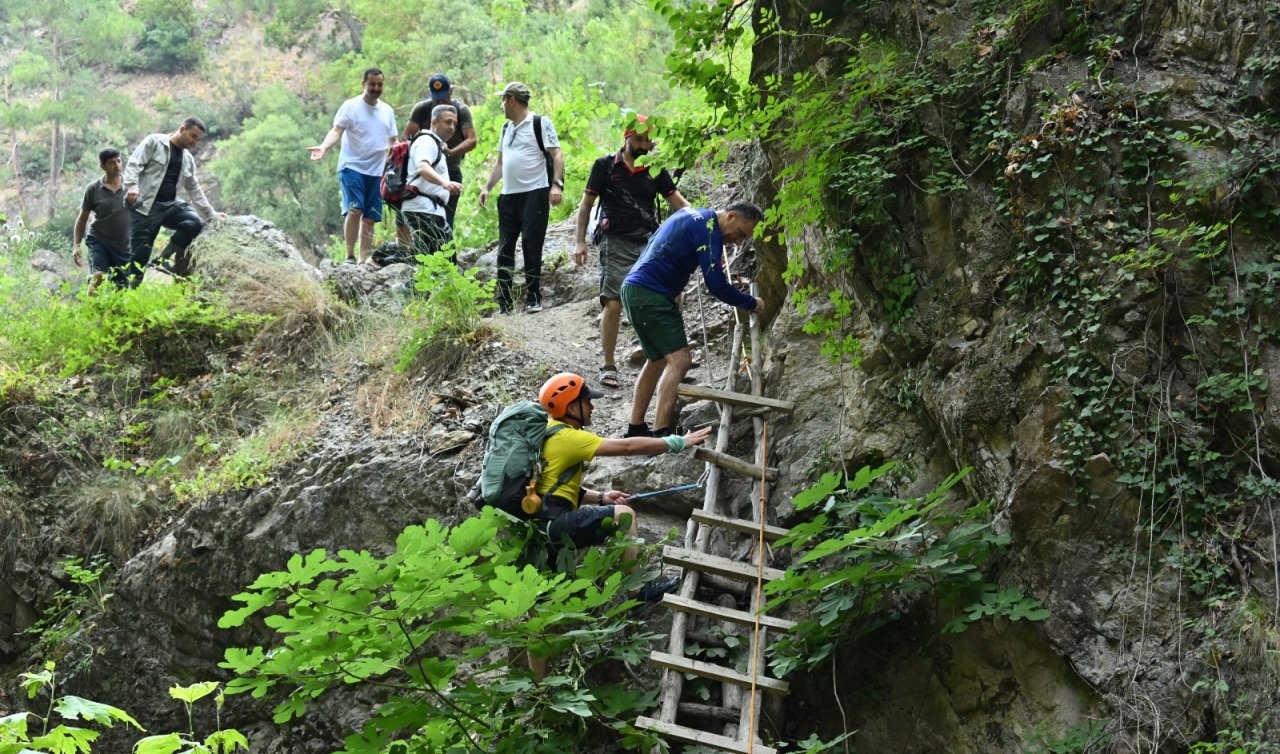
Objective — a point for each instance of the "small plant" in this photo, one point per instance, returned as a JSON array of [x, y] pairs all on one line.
[[447, 314], [59, 627]]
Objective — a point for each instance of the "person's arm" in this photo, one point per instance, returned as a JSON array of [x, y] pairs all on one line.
[[411, 129], [495, 175], [192, 185], [651, 446], [428, 174], [331, 138], [133, 171], [557, 171], [711, 259], [580, 232], [77, 236], [467, 144], [676, 201]]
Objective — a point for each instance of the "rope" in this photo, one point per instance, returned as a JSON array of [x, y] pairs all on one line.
[[756, 649]]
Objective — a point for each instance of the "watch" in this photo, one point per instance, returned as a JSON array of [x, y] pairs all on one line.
[[558, 183]]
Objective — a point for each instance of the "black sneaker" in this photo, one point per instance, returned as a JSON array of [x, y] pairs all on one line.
[[638, 430], [653, 591], [533, 307]]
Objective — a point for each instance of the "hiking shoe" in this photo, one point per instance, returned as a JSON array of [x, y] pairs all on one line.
[[349, 260], [653, 591], [638, 430], [533, 307]]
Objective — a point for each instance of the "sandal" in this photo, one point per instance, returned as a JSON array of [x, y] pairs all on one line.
[[609, 376]]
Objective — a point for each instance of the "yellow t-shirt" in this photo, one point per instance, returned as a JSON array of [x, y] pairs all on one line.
[[561, 451]]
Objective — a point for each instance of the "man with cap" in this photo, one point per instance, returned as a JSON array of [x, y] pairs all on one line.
[[464, 136], [367, 128], [531, 168], [584, 516], [628, 216]]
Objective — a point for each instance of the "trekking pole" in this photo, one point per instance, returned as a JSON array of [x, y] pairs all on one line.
[[681, 488]]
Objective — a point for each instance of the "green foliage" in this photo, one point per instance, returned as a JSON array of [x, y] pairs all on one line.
[[171, 41], [169, 327], [19, 736], [865, 551], [435, 624], [58, 629], [1089, 737], [447, 316]]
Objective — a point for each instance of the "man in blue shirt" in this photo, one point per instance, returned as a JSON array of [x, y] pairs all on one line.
[[691, 238]]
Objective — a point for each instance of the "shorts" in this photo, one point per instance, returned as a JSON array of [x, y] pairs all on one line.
[[656, 319], [585, 526], [361, 192], [617, 256], [103, 258]]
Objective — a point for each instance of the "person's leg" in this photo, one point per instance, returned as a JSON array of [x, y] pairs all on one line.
[[451, 209], [534, 234], [510, 208], [609, 324], [646, 383], [186, 225], [142, 235], [404, 235], [371, 201], [664, 417], [351, 232], [352, 187]]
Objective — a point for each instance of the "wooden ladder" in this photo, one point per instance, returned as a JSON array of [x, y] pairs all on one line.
[[738, 715]]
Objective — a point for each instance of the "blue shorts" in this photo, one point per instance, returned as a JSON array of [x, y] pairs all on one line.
[[585, 526], [361, 192]]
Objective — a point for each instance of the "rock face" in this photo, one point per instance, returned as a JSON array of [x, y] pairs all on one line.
[[986, 372]]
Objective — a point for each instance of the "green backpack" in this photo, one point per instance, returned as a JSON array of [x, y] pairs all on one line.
[[513, 458]]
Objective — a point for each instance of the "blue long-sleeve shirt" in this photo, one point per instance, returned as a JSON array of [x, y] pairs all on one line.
[[689, 239]]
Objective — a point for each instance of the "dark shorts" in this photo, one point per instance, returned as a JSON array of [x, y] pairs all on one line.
[[361, 192], [103, 258], [657, 321], [585, 526], [617, 256]]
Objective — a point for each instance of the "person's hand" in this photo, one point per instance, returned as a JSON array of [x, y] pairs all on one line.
[[759, 305], [696, 437], [75, 256], [317, 152], [220, 215], [453, 187], [557, 196], [132, 196], [614, 497], [484, 197], [580, 253]]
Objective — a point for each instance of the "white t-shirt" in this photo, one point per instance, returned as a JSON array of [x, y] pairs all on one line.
[[366, 135], [524, 166], [426, 149]]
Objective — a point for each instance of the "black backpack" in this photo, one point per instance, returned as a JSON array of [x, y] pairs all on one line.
[[537, 135]]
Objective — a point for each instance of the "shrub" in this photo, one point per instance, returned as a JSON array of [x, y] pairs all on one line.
[[447, 315]]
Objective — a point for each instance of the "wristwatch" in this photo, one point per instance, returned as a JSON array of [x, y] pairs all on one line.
[[558, 183]]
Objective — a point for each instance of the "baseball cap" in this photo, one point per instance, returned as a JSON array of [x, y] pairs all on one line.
[[439, 86], [517, 90], [641, 120]]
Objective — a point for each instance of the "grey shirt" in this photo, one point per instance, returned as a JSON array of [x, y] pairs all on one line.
[[110, 217]]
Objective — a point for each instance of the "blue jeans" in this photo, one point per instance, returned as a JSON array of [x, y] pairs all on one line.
[[113, 264]]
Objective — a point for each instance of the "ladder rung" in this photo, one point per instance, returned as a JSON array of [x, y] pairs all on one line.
[[735, 399], [736, 465], [716, 672], [739, 524], [701, 737], [701, 561], [709, 712], [676, 602]]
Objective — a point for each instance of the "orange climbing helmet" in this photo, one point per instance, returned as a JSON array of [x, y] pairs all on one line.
[[559, 392]]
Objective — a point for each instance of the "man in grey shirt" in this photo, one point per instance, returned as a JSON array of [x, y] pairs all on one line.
[[108, 235]]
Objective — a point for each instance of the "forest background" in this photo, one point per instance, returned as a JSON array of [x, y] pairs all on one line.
[[267, 76]]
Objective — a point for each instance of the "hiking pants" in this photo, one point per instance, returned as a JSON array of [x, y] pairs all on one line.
[[451, 209], [523, 216], [177, 216]]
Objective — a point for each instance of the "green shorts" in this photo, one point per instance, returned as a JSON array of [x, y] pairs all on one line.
[[656, 320], [617, 256]]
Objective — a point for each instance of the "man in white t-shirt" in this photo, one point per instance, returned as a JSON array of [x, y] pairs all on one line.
[[367, 128], [526, 154], [425, 214]]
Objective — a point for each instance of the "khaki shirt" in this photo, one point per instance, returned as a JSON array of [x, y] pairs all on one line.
[[145, 172]]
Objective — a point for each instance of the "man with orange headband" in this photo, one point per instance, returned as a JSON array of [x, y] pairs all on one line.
[[628, 216]]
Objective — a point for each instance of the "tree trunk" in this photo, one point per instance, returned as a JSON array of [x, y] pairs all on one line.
[[55, 136], [13, 155]]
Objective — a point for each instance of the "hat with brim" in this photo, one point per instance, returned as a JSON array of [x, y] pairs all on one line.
[[439, 86], [517, 90]]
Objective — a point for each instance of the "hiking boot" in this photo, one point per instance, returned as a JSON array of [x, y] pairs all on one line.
[[653, 591], [533, 307], [638, 430]]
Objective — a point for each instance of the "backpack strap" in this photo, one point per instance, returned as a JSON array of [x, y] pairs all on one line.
[[568, 473], [439, 154], [537, 132]]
